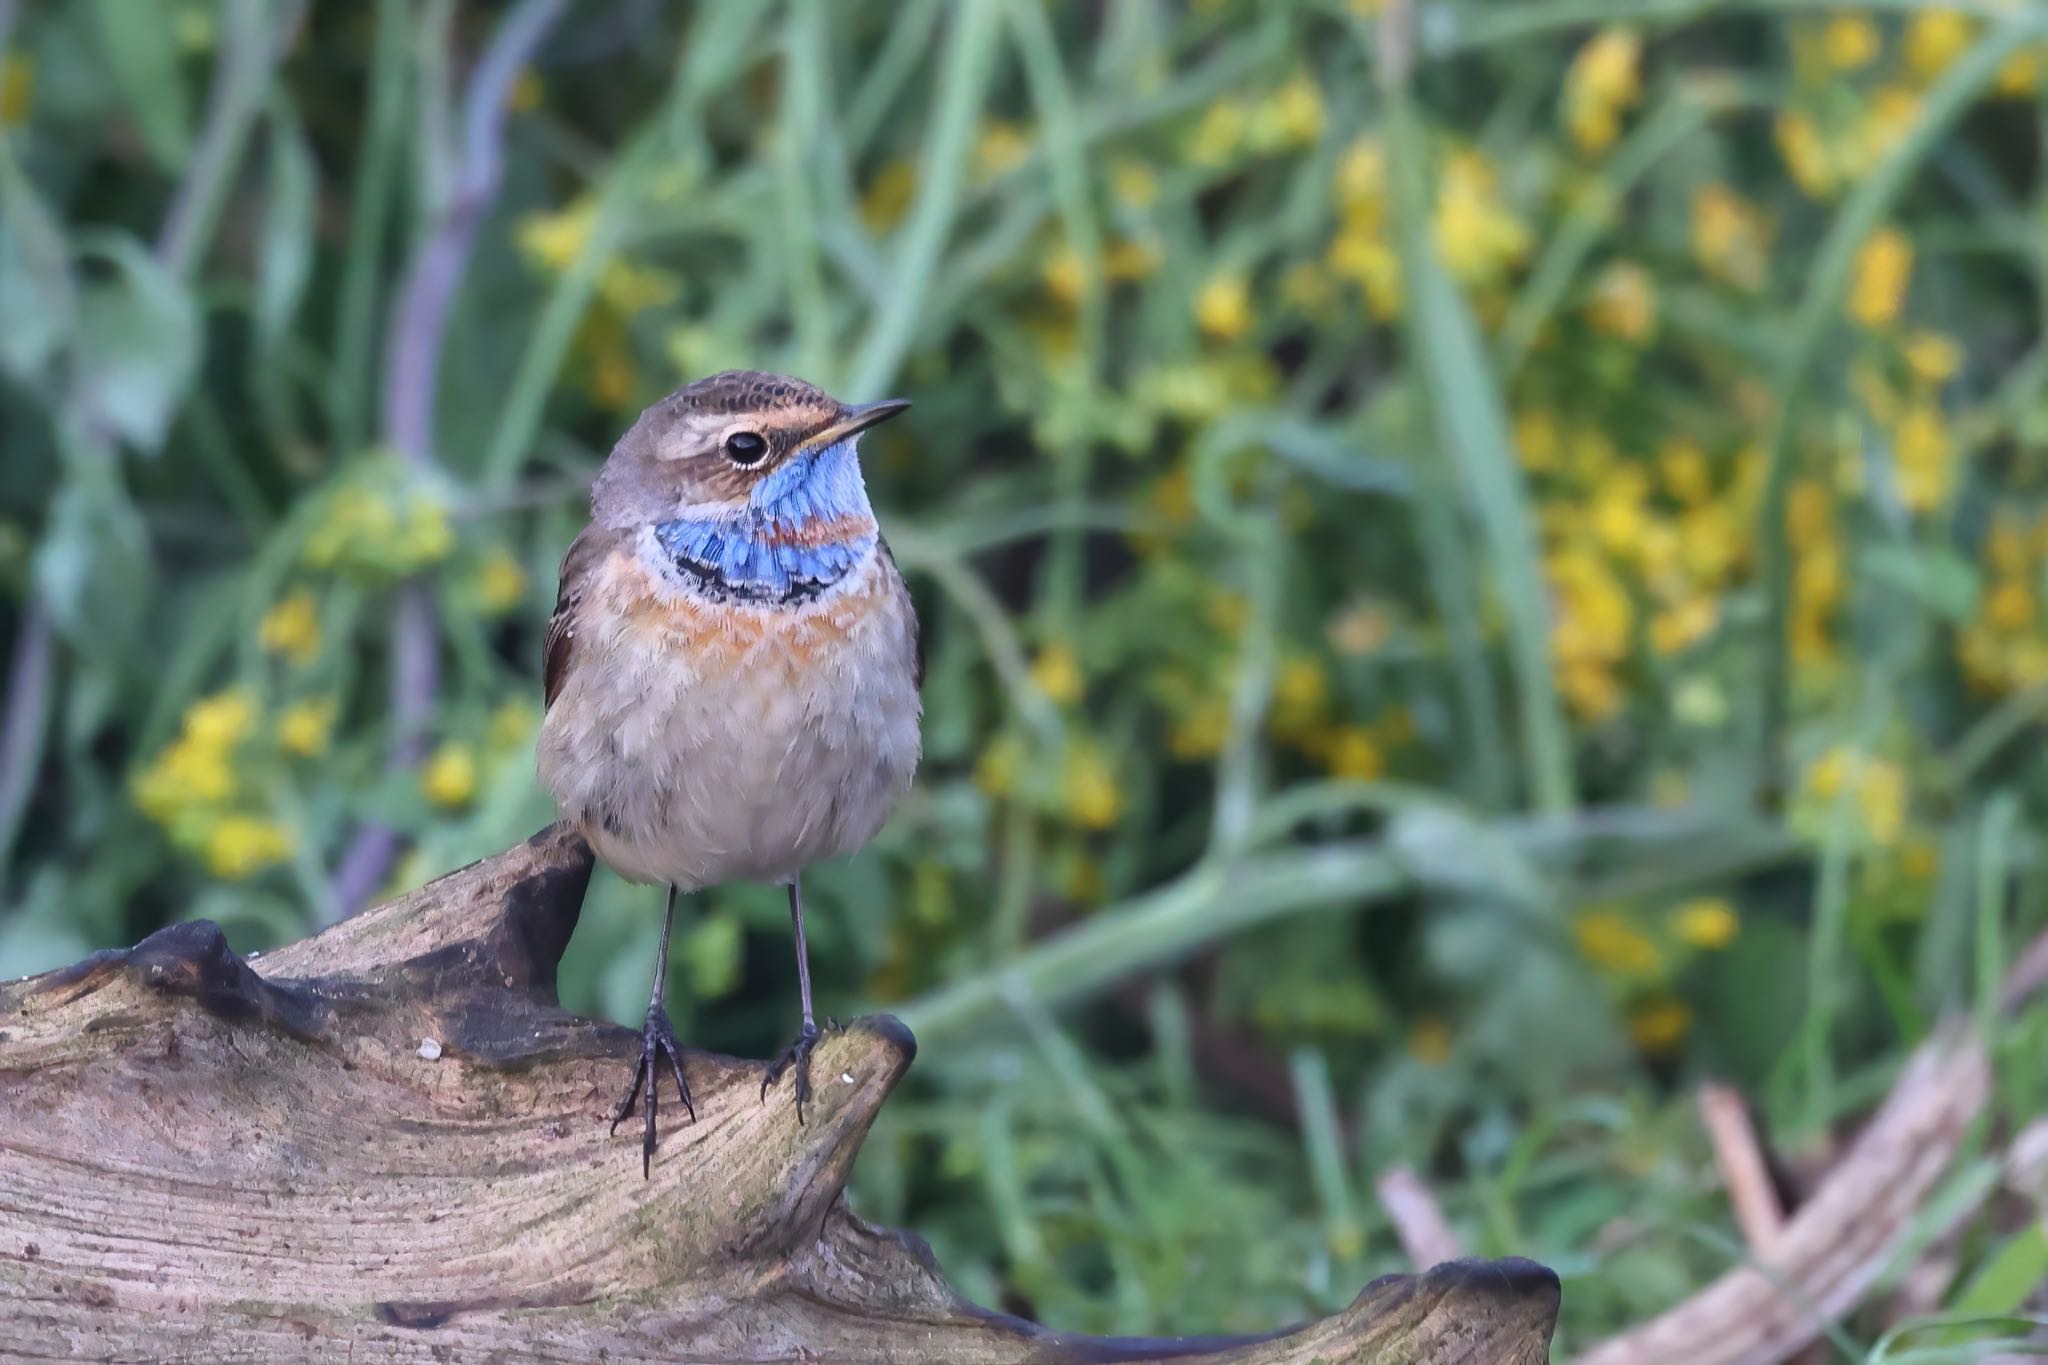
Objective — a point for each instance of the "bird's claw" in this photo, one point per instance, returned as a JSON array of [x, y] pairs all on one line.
[[657, 1036], [797, 1056]]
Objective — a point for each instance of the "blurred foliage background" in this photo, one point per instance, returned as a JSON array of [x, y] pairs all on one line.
[[1476, 571]]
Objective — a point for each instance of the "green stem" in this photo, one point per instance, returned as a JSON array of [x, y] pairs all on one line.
[[963, 84], [348, 393]]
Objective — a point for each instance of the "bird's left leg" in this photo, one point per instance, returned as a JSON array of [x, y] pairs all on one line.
[[657, 1036], [798, 1053]]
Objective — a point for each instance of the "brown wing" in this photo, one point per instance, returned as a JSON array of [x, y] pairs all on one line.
[[579, 568]]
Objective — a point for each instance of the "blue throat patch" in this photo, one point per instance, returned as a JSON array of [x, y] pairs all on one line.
[[735, 555]]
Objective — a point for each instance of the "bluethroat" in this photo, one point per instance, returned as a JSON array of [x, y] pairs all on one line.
[[732, 668]]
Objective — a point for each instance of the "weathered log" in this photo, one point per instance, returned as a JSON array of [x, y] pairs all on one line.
[[203, 1156]]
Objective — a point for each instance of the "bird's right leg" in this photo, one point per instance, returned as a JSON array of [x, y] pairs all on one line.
[[657, 1036]]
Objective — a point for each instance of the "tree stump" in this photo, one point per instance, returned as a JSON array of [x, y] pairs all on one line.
[[203, 1156]]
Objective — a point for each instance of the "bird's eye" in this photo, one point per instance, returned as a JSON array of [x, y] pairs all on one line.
[[746, 448]]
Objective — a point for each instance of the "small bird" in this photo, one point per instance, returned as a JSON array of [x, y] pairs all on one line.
[[732, 668]]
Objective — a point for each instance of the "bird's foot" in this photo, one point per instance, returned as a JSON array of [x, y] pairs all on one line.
[[657, 1036], [796, 1056]]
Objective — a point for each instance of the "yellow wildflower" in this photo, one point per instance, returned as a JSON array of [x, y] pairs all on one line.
[[1088, 790], [1610, 942], [1002, 147], [1923, 456], [1537, 441], [306, 728], [2020, 75], [1659, 1025], [1127, 258], [1933, 357], [221, 720], [2009, 606], [1604, 81], [1686, 474], [240, 846], [17, 89], [500, 582], [1809, 159], [1353, 751], [1850, 41], [555, 240], [1200, 733], [1684, 623], [1133, 184], [1291, 116], [1223, 308], [1301, 689], [1729, 236], [511, 724], [1065, 276], [1624, 303], [1057, 673], [1477, 234], [1709, 922], [292, 628], [449, 777], [1219, 134], [629, 289], [1884, 267], [1888, 117], [190, 772], [1878, 786], [1934, 39], [1368, 260], [1001, 764], [887, 197]]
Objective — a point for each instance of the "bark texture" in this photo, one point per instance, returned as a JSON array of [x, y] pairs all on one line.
[[204, 1157]]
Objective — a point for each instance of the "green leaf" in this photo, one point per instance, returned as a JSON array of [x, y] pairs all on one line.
[[284, 253], [1943, 581], [138, 344], [1468, 415], [140, 44], [91, 565], [35, 278], [2004, 1282]]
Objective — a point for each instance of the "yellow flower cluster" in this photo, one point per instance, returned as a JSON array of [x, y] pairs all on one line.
[[1478, 235], [381, 523], [449, 777], [1641, 962], [1884, 267], [1631, 548], [2004, 646], [500, 582], [1081, 788], [191, 787], [306, 728], [1604, 82], [1285, 119], [1362, 251], [1876, 789], [1819, 582], [1624, 303], [1731, 238], [291, 628]]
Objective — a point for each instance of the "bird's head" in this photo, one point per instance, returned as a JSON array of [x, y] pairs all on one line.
[[736, 443]]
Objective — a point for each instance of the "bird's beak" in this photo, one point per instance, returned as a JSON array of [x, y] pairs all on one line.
[[856, 418]]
